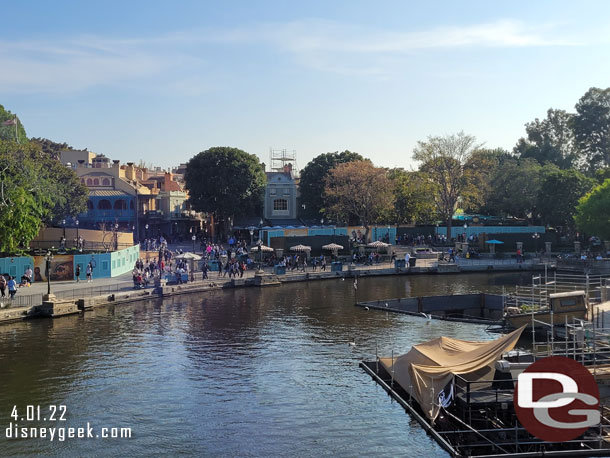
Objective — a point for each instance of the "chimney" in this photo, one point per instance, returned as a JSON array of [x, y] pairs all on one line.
[[167, 181]]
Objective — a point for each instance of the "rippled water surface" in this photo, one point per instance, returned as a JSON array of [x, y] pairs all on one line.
[[247, 372]]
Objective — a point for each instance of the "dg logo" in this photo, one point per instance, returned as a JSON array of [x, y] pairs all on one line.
[[557, 399]]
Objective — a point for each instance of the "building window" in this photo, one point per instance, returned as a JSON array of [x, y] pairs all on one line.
[[82, 180], [272, 191], [280, 204], [104, 205], [131, 204], [89, 205], [106, 182], [89, 182], [120, 205], [286, 191], [96, 182]]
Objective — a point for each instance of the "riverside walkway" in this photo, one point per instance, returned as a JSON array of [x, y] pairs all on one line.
[[32, 295]]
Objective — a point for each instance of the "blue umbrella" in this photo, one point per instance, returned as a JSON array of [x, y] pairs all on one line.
[[494, 242]]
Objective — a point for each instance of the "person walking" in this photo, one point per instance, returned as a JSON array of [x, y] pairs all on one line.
[[77, 273], [89, 273], [2, 286], [12, 287]]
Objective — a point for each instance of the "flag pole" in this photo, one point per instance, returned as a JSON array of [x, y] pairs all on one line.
[[16, 135]]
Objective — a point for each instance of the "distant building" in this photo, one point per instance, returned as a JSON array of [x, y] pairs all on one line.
[[281, 195]]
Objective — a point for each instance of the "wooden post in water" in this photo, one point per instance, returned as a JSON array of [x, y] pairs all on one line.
[[392, 383]]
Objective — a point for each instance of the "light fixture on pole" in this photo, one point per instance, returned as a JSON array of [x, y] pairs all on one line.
[[194, 237], [536, 236], [251, 236], [48, 257]]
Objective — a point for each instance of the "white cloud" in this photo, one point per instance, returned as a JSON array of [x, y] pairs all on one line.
[[177, 59]]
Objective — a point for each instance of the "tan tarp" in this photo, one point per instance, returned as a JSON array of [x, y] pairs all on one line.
[[428, 367]]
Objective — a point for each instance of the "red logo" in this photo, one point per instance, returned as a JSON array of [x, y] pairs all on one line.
[[557, 399]]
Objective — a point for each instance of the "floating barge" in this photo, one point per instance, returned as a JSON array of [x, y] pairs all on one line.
[[472, 414]]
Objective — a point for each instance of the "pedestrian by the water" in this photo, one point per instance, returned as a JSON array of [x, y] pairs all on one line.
[[77, 273], [2, 286], [89, 273], [12, 287]]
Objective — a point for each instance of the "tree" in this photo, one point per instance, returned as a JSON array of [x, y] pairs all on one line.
[[11, 132], [550, 140], [312, 180], [593, 212], [412, 202], [560, 191], [591, 126], [361, 190], [515, 187], [443, 160], [225, 181]]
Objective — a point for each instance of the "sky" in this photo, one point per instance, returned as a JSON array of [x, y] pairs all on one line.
[[160, 81]]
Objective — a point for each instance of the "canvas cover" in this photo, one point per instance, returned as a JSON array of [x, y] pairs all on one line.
[[428, 368]]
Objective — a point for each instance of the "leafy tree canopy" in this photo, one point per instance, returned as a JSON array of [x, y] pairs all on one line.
[[443, 161], [361, 190], [591, 126], [413, 201], [560, 191], [11, 132], [34, 190], [550, 140], [593, 212], [225, 181], [312, 180]]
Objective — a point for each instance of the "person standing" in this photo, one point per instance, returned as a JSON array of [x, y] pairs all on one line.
[[12, 287], [407, 259], [77, 273], [29, 274], [89, 273], [2, 286]]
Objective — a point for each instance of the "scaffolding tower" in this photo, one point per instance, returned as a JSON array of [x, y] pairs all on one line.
[[281, 158]]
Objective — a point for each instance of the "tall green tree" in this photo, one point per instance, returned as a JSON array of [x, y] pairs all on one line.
[[515, 187], [225, 181], [593, 212], [559, 194], [443, 161], [312, 181], [550, 140], [591, 126], [412, 197], [359, 189], [12, 132]]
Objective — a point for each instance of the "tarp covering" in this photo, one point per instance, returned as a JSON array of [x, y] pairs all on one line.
[[428, 368]]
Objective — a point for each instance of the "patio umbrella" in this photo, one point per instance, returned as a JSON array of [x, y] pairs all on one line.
[[300, 248], [188, 256], [492, 245], [332, 246], [378, 244], [264, 248]]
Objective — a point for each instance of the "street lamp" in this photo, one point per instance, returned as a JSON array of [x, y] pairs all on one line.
[[48, 257], [116, 237], [251, 236], [194, 237], [536, 236], [63, 223]]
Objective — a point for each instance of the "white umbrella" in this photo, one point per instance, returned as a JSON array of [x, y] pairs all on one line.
[[264, 248], [188, 256], [300, 248], [378, 244], [332, 246]]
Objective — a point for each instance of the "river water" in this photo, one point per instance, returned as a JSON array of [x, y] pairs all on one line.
[[248, 372]]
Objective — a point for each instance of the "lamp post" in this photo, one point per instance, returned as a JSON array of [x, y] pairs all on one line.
[[251, 236], [260, 256], [116, 237], [536, 236], [63, 223], [193, 238], [48, 257], [133, 231], [76, 222], [146, 227]]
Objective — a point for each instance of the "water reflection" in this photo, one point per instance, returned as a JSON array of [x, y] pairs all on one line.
[[255, 372]]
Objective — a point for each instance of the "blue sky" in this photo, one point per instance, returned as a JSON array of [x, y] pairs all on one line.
[[161, 81]]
